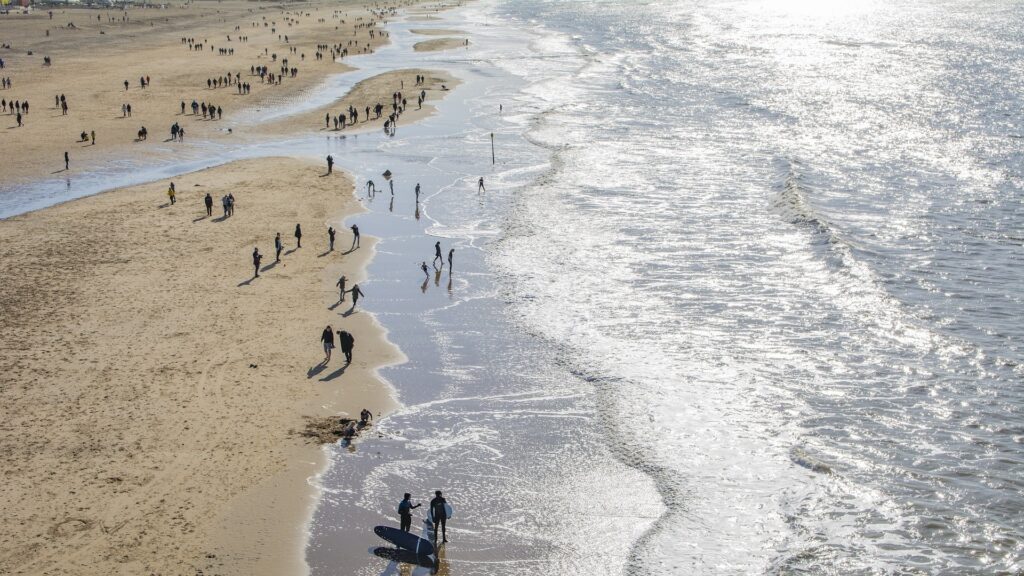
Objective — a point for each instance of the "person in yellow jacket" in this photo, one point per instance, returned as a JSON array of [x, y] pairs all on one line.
[[170, 192]]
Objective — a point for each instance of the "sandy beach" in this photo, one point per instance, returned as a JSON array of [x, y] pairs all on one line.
[[157, 402], [154, 391]]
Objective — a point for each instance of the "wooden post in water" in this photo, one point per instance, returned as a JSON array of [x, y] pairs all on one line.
[[492, 147]]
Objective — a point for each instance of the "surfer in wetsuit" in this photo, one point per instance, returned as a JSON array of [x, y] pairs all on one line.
[[440, 515], [405, 508]]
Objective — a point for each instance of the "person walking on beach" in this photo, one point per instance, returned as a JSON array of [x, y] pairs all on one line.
[[439, 515], [423, 266], [450, 254], [330, 163], [356, 293], [67, 159], [256, 259], [347, 342], [209, 204], [278, 246], [355, 238], [92, 137], [330, 237], [170, 193], [480, 185], [437, 254], [405, 508], [341, 286], [327, 338], [298, 235]]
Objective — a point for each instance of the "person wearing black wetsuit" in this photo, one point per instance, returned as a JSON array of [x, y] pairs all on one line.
[[440, 515], [405, 508]]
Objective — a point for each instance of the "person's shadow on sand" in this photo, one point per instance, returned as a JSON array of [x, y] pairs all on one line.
[[316, 369], [201, 218], [334, 306], [268, 266], [334, 374], [246, 282]]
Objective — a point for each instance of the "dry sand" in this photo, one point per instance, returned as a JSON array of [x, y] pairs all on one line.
[[136, 434], [440, 44]]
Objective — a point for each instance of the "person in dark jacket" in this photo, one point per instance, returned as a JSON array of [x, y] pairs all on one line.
[[327, 338], [347, 342], [298, 235]]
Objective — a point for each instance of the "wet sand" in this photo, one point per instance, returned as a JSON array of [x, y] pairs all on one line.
[[440, 44]]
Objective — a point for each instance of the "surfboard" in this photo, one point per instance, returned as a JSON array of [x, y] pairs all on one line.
[[405, 540], [447, 510]]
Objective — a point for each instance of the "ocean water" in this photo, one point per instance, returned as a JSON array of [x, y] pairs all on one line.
[[786, 240]]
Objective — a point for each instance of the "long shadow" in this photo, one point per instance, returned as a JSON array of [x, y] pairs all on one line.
[[200, 219], [220, 219], [324, 254], [59, 171], [334, 374], [316, 369], [246, 283], [268, 266], [169, 140], [349, 251], [290, 251], [334, 306], [349, 312], [325, 174]]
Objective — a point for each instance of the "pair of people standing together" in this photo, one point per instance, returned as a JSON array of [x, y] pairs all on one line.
[[438, 514], [346, 341]]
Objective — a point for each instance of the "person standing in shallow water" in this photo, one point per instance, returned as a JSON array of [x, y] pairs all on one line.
[[450, 254], [405, 508], [437, 254], [298, 235], [327, 338], [440, 515], [480, 185]]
